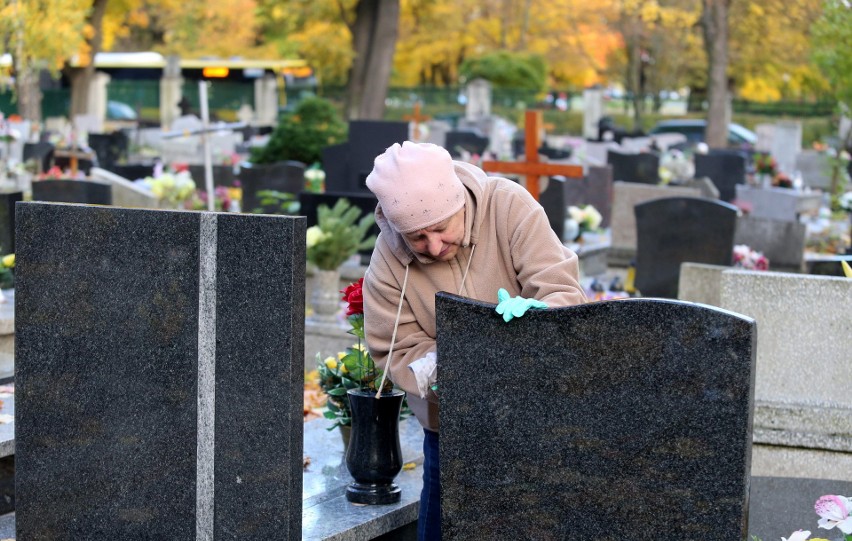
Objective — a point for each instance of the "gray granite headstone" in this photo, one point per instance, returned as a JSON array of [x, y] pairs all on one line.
[[626, 419], [676, 230], [782, 242], [641, 167], [90, 192], [726, 169], [159, 368], [285, 177], [7, 221]]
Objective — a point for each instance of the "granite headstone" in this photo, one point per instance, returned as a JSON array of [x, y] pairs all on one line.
[[675, 230], [41, 153], [469, 141], [284, 177], [580, 436], [368, 139], [133, 171], [552, 199], [642, 167], [154, 348], [89, 192], [109, 147], [335, 164], [725, 169], [7, 221]]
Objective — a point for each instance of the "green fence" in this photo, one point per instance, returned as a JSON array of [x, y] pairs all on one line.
[[54, 102]]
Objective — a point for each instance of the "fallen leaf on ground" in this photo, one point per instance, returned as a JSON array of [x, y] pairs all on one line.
[[409, 466]]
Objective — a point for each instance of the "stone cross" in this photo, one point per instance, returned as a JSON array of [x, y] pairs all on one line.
[[416, 119], [532, 167]]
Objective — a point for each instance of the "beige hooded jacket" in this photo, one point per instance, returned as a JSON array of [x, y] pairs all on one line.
[[508, 243]]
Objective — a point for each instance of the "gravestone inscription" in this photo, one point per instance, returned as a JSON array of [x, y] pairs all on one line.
[[154, 348], [648, 436]]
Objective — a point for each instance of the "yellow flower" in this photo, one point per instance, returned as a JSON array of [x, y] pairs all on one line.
[[341, 355], [359, 346], [331, 363], [847, 270], [343, 369], [9, 261]]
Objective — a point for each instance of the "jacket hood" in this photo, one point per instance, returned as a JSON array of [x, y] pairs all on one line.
[[473, 179]]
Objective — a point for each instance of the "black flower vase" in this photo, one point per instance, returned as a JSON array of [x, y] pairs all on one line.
[[374, 457]]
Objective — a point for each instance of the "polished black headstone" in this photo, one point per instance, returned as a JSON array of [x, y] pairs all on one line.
[[593, 189], [335, 164], [675, 230], [725, 169], [284, 177], [552, 199], [643, 167], [469, 141], [368, 139], [223, 175], [41, 153], [626, 419], [132, 171], [154, 349], [88, 192], [7, 221], [109, 147]]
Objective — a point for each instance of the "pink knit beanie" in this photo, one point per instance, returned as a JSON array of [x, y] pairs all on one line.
[[416, 185]]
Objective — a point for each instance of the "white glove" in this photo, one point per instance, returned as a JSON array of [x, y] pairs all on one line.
[[425, 372]]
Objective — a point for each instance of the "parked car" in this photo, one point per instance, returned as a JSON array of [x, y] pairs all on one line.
[[693, 129], [117, 110]]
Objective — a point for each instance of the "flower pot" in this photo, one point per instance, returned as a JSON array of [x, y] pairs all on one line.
[[374, 457], [325, 297]]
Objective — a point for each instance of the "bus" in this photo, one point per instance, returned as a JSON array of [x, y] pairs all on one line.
[[135, 81]]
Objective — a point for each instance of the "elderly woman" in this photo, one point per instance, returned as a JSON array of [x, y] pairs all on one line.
[[447, 226]]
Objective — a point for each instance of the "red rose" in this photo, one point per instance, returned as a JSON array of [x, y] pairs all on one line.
[[352, 295]]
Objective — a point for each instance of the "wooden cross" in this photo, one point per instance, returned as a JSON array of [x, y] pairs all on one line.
[[532, 167], [416, 118]]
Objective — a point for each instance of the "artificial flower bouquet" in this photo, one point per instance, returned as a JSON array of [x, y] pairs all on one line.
[[315, 179], [174, 187], [746, 258], [587, 219], [765, 164], [675, 166]]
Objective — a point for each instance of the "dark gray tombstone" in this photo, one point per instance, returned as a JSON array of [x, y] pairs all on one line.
[[7, 221], [552, 199], [368, 139], [41, 152], [109, 147], [674, 230], [335, 164], [223, 175], [133, 171], [626, 419], [88, 192], [154, 348], [467, 140], [725, 169], [594, 189], [643, 167], [285, 177]]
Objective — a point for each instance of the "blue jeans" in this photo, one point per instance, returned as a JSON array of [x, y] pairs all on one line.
[[429, 521]]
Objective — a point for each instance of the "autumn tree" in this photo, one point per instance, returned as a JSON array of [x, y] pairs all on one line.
[[40, 35]]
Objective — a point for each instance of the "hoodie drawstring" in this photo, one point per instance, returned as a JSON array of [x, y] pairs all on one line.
[[399, 312], [393, 336]]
